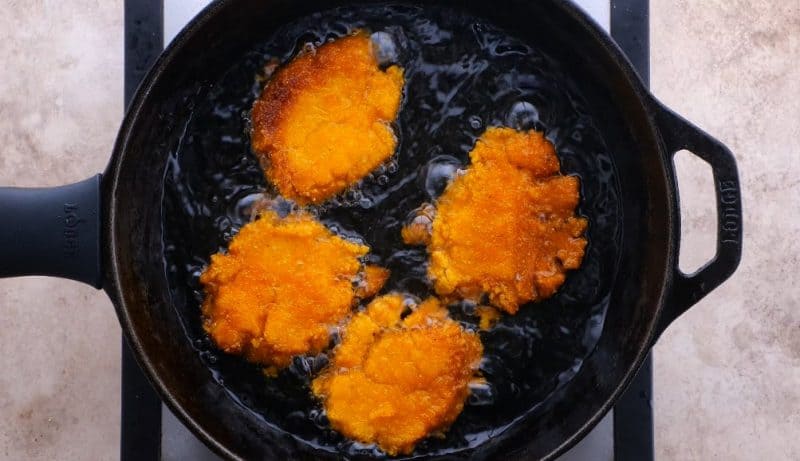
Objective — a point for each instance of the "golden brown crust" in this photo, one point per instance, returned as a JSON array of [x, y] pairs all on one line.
[[372, 280], [282, 285], [394, 382], [507, 227], [321, 123], [488, 316]]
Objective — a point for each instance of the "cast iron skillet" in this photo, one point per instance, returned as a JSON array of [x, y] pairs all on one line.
[[108, 231]]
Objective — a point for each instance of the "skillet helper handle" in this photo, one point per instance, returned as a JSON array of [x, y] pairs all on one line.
[[688, 289], [52, 231]]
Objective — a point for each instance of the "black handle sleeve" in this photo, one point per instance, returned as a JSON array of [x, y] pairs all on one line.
[[688, 289], [52, 231]]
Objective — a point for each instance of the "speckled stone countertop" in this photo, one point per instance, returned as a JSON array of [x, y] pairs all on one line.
[[727, 374]]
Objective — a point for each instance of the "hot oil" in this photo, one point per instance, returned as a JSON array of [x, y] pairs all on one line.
[[462, 76]]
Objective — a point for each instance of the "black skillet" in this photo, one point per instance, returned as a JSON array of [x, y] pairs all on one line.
[[181, 177]]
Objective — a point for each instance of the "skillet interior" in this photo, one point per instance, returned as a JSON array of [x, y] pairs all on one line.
[[173, 133]]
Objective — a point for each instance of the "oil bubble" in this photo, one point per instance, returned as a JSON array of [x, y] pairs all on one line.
[[475, 122], [523, 116], [243, 207], [309, 48], [481, 394], [438, 173], [386, 49]]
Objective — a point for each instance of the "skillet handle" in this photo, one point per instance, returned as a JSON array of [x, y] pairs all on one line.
[[688, 289], [52, 231]]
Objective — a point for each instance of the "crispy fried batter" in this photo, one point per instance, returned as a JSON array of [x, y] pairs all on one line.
[[507, 227], [282, 285], [488, 316], [372, 280], [394, 382], [321, 123]]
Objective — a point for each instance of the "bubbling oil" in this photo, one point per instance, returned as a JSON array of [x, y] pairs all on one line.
[[462, 76]]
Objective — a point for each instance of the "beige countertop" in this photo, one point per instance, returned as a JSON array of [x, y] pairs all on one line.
[[727, 374]]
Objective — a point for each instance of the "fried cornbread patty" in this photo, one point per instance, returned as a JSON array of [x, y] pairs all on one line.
[[507, 226], [322, 122], [394, 382], [283, 284]]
